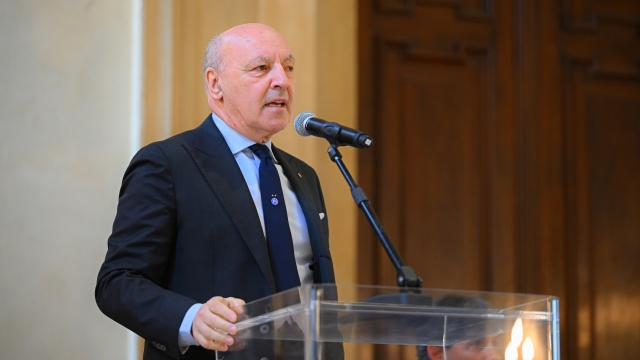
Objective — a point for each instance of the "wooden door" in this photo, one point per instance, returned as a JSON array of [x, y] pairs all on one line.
[[507, 154]]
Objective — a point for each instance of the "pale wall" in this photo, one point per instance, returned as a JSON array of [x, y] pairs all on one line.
[[64, 145], [65, 72]]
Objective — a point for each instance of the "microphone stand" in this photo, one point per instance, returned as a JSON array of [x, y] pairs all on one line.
[[406, 277]]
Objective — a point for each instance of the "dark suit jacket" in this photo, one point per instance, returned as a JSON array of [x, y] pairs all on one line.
[[187, 229]]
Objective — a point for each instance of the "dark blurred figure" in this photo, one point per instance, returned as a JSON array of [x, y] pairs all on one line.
[[476, 349]]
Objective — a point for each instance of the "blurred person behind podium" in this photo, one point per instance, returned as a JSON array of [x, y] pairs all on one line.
[[476, 349], [190, 242]]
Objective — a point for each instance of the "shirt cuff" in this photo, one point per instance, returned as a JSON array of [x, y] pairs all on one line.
[[184, 335]]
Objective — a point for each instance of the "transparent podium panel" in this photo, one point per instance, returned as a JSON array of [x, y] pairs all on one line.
[[370, 322]]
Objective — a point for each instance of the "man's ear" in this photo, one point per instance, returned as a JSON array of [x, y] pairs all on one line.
[[212, 77], [435, 352]]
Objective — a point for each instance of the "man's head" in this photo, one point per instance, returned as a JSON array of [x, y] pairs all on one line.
[[248, 70], [477, 349]]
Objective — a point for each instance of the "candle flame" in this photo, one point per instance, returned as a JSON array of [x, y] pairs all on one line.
[[511, 353], [527, 349], [516, 333]]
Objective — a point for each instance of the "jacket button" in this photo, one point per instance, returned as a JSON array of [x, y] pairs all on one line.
[[264, 329]]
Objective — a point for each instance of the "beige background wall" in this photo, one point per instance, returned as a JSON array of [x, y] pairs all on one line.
[[65, 139], [64, 143]]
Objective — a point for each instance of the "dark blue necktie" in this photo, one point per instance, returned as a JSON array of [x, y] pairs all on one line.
[[276, 223]]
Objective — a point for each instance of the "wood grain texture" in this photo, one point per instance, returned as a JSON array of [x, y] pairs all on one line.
[[508, 157]]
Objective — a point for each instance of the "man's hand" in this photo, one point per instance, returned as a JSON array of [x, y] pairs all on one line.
[[213, 320]]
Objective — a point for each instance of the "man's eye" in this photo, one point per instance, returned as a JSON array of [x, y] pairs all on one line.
[[289, 68], [480, 343], [261, 67]]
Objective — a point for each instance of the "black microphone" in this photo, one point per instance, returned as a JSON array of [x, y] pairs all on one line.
[[307, 123]]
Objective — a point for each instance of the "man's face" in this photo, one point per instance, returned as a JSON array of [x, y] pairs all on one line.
[[479, 349], [256, 83]]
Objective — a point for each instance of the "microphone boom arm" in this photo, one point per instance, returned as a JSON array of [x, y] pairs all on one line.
[[406, 277]]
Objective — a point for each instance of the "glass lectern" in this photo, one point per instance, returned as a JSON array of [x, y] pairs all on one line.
[[363, 322]]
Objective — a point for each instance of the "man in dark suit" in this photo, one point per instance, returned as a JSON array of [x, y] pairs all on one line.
[[188, 244]]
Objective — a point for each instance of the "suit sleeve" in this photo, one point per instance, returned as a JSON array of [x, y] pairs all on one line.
[[131, 286]]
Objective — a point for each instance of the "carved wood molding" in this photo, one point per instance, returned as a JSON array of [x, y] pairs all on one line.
[[582, 75], [398, 50], [578, 266], [407, 7], [401, 7], [459, 54], [592, 24], [595, 70], [591, 20], [584, 80]]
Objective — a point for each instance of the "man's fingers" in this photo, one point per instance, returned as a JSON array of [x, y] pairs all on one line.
[[236, 305], [217, 315], [211, 341], [209, 334], [221, 307], [212, 325]]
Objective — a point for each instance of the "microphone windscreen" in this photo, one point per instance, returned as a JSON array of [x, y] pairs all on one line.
[[301, 121]]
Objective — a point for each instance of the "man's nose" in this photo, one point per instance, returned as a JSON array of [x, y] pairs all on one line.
[[279, 77], [491, 353]]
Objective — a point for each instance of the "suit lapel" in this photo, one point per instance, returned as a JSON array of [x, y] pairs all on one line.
[[211, 154], [311, 210]]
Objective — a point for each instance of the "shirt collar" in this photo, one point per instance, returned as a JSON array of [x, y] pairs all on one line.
[[237, 142]]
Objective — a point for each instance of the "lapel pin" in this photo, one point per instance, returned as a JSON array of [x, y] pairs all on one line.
[[299, 175]]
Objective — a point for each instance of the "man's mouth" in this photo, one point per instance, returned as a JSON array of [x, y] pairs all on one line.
[[276, 103]]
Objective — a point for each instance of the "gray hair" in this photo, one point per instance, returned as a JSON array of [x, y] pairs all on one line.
[[213, 57]]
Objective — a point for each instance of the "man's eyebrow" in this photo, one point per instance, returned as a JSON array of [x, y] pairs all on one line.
[[268, 59], [259, 59]]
